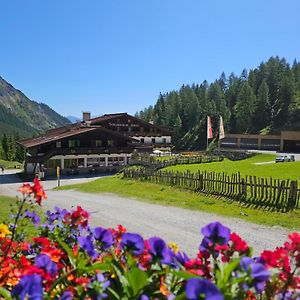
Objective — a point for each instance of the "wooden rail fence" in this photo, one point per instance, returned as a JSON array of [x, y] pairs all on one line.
[[277, 194], [155, 164]]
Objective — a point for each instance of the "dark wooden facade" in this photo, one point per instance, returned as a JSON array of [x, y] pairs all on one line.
[[109, 138]]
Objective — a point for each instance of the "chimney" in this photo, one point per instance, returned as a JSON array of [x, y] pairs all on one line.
[[86, 116]]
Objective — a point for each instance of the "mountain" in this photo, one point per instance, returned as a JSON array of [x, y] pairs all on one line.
[[18, 114], [264, 100], [73, 119]]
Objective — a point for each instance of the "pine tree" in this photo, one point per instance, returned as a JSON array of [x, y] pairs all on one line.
[[262, 108], [244, 108], [5, 146]]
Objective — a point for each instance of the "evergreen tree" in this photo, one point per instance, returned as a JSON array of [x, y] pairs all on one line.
[[5, 146], [159, 111], [244, 108], [177, 132], [262, 108]]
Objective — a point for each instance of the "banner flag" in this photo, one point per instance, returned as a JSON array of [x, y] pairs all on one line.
[[221, 131], [209, 128]]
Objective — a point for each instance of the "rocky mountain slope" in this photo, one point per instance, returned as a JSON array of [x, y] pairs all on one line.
[[18, 114]]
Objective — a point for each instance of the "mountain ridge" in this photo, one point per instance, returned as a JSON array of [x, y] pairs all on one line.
[[25, 117]]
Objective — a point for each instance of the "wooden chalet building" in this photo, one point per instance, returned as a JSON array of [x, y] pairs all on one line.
[[94, 144]]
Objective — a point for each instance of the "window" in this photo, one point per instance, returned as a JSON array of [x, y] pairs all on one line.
[[142, 140], [71, 143], [74, 143], [164, 140], [110, 143], [98, 143], [153, 140], [58, 144]]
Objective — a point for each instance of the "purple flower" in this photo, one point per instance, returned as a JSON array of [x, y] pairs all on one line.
[[33, 216], [104, 236], [197, 287], [258, 272], [159, 250], [44, 261], [182, 258], [58, 214], [215, 233], [86, 243], [67, 295], [205, 244], [29, 286], [132, 242]]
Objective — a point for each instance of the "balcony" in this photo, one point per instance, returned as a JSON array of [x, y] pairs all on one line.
[[42, 157]]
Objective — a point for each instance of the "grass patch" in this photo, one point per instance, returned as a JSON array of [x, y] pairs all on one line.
[[10, 164], [287, 170], [9, 207], [166, 195]]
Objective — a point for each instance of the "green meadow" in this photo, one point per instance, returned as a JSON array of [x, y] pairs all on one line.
[[9, 207], [166, 195], [260, 165], [10, 164]]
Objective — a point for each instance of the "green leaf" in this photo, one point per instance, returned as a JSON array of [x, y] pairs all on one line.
[[68, 250], [184, 275], [225, 272], [180, 296], [103, 267], [5, 293], [137, 279]]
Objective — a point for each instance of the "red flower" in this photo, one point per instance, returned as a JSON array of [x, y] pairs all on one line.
[[279, 258], [77, 217], [26, 189], [197, 267], [38, 191], [238, 244]]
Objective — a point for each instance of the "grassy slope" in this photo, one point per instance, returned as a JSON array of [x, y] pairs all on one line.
[[9, 206], [166, 195], [9, 164], [248, 167]]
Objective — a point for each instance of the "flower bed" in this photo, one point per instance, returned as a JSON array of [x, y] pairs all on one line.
[[71, 260]]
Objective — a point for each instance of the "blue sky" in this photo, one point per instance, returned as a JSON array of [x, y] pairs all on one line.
[[108, 56]]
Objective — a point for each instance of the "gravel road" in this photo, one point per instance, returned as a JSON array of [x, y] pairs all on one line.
[[173, 224]]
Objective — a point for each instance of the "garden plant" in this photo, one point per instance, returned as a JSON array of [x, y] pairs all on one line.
[[68, 259]]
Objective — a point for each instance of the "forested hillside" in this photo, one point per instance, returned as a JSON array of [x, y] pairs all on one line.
[[19, 115], [263, 100]]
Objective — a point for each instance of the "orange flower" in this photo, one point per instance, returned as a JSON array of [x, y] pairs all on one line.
[[26, 189]]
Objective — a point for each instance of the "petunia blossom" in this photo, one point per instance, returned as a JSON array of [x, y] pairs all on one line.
[[159, 250], [104, 236], [29, 286], [258, 272], [44, 261], [196, 287], [86, 243], [132, 242]]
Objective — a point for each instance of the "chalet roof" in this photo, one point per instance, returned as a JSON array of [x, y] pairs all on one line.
[[108, 117], [83, 127], [68, 131]]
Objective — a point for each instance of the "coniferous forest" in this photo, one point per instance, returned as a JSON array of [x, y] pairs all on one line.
[[263, 100]]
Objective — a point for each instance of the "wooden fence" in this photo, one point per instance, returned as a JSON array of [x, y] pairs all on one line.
[[276, 194], [155, 164]]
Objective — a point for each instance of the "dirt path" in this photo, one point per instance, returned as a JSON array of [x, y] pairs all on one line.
[[173, 224]]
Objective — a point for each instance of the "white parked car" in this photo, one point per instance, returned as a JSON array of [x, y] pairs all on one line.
[[284, 158]]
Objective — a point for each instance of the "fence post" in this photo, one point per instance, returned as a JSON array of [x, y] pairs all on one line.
[[292, 200]]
